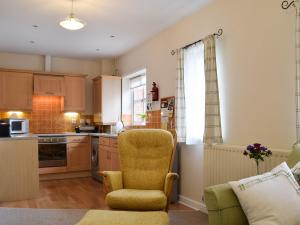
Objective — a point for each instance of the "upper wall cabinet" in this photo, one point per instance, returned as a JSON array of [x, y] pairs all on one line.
[[107, 99], [49, 85], [75, 94], [16, 90]]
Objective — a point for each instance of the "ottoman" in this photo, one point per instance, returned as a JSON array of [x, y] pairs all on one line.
[[106, 217]]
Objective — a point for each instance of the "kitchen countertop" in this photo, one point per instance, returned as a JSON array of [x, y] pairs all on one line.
[[35, 136], [20, 137], [79, 134]]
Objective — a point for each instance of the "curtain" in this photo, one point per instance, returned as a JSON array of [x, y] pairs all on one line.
[[212, 132], [180, 98], [194, 83]]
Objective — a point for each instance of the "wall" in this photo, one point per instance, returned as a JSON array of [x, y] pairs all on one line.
[[256, 74], [62, 65]]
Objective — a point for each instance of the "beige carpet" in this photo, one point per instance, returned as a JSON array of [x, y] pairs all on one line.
[[14, 216]]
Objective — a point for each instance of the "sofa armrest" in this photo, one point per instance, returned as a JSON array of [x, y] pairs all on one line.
[[223, 206], [112, 180]]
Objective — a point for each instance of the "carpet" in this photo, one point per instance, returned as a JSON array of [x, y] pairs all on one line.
[[16, 216]]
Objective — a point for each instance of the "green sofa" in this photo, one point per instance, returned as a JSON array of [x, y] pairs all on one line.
[[222, 204]]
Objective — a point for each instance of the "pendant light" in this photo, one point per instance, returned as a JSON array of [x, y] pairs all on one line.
[[71, 22]]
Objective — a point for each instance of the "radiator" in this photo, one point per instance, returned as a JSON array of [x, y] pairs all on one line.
[[223, 163]]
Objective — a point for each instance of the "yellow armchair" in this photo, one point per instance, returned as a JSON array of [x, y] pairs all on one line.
[[146, 181]]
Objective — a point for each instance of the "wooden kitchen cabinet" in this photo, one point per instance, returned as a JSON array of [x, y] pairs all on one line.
[[109, 155], [49, 85], [107, 99], [16, 90], [78, 153], [74, 94]]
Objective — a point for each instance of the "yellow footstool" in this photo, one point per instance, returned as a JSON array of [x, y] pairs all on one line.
[[106, 217]]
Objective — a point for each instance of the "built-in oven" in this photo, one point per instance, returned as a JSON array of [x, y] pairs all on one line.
[[52, 151]]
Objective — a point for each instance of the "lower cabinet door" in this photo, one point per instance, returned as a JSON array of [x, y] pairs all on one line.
[[79, 157], [104, 159], [115, 161]]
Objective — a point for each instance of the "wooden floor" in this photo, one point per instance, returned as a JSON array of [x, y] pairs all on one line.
[[79, 193]]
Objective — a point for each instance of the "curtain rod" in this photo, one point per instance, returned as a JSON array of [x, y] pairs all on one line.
[[218, 34]]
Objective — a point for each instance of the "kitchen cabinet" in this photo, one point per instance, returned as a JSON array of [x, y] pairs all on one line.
[[16, 90], [74, 100], [107, 99], [49, 85], [78, 153], [109, 155]]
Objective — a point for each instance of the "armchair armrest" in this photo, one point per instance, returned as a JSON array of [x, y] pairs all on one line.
[[112, 180], [170, 178]]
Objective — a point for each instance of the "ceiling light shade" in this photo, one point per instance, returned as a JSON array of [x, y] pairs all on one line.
[[72, 23]]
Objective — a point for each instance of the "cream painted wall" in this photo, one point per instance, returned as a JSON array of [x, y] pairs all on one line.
[[91, 68], [21, 61], [256, 74]]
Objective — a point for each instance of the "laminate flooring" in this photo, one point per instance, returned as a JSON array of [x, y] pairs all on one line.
[[78, 193]]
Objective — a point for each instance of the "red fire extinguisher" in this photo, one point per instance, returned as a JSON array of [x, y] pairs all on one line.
[[154, 92]]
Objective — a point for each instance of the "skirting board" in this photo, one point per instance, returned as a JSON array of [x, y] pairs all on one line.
[[192, 204], [65, 175]]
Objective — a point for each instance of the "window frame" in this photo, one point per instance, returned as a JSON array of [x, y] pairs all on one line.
[[143, 100]]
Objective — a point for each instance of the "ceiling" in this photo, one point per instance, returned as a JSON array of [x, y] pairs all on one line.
[[130, 21]]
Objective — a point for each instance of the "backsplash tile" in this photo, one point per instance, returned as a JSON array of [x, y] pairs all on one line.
[[47, 116]]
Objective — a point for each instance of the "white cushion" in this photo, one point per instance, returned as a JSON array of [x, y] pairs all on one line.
[[296, 171], [270, 199]]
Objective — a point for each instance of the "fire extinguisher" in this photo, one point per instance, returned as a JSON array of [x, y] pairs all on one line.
[[154, 92]]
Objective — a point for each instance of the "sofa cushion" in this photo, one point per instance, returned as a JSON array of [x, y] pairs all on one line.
[[270, 198], [296, 172], [103, 217], [132, 199]]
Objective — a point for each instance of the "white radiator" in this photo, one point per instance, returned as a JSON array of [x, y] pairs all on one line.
[[223, 163]]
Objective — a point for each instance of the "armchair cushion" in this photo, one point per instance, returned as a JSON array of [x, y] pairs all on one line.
[[132, 199], [145, 156]]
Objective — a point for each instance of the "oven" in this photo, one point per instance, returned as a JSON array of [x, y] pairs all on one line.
[[52, 151]]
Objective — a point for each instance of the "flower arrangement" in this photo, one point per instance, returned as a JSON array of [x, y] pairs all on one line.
[[258, 153]]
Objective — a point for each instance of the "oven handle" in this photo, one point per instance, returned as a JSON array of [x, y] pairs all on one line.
[[56, 143]]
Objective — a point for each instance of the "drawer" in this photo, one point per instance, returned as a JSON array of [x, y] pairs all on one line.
[[108, 148], [113, 142], [78, 139], [104, 141]]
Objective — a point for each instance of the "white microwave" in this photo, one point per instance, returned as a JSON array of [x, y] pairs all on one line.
[[18, 126]]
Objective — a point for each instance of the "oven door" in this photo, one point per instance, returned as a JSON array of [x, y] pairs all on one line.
[[52, 155]]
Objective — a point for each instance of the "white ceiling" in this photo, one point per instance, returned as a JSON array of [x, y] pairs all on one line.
[[131, 21]]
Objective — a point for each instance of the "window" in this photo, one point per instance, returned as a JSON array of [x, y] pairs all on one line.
[[138, 90], [194, 83], [134, 98]]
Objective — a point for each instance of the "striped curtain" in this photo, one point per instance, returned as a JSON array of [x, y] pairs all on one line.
[[212, 132], [297, 6], [180, 98]]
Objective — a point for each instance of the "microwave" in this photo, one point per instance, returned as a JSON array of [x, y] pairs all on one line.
[[18, 126]]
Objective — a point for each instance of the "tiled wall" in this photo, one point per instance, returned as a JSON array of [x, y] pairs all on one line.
[[153, 120], [47, 116]]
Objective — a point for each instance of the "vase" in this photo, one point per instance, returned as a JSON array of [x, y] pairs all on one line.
[[257, 167]]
